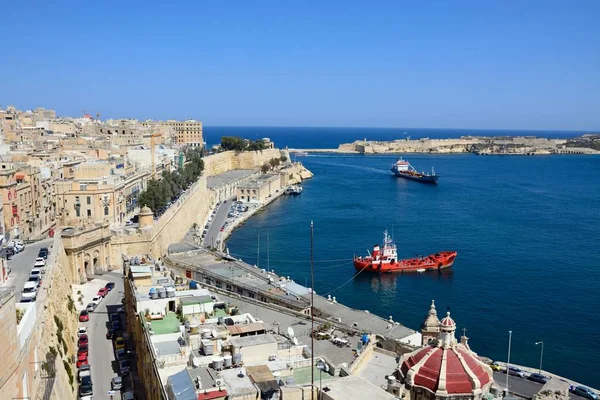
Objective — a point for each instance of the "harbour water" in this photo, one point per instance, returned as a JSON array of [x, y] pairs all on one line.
[[526, 230]]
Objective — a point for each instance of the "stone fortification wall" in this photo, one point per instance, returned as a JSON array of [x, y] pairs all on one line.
[[56, 304], [192, 207], [229, 160]]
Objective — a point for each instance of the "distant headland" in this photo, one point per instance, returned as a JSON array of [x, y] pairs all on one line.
[[481, 145]]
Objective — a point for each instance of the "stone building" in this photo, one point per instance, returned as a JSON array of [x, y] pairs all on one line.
[[99, 191], [186, 133], [260, 189], [88, 248], [442, 368]]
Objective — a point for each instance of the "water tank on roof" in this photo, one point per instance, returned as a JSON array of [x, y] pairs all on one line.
[[162, 293], [289, 381], [194, 328], [207, 347], [217, 363], [237, 359], [170, 291], [153, 293], [227, 361]]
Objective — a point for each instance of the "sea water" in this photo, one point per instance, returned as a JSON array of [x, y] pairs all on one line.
[[526, 230]]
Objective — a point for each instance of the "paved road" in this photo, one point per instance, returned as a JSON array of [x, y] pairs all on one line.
[[219, 219], [101, 353], [522, 386], [22, 264]]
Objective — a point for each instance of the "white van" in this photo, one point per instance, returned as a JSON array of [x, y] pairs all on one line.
[[30, 287], [35, 273]]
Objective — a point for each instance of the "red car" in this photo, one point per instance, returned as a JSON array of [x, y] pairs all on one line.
[[84, 316], [102, 292], [83, 341], [83, 351], [82, 359]]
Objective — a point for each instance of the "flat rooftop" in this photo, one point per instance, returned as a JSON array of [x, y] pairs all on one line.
[[225, 178], [354, 387], [380, 365], [169, 324]]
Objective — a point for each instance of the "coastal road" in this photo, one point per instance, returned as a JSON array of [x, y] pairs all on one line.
[[214, 229], [522, 386], [21, 264], [101, 353]]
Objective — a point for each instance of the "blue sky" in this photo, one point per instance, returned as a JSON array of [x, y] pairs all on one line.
[[442, 64]]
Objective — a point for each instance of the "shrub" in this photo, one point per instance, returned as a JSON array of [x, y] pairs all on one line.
[[69, 371]]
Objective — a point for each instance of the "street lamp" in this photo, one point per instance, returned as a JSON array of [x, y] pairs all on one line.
[[321, 366], [508, 360], [541, 353]]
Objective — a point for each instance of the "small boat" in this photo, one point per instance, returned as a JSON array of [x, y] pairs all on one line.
[[385, 260], [301, 154], [403, 169], [293, 190]]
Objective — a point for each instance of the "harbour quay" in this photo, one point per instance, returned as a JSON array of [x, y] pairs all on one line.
[[221, 271]]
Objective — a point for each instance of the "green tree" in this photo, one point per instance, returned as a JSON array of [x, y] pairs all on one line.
[[265, 168]]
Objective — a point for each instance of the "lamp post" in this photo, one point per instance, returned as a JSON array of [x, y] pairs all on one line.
[[541, 353], [321, 366], [508, 360]]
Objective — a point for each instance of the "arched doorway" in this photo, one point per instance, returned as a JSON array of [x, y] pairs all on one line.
[[87, 265], [95, 260]]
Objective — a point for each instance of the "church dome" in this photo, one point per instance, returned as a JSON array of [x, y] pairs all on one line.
[[447, 321], [453, 370]]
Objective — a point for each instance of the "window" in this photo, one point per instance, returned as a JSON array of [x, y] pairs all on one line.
[[89, 200], [77, 213], [105, 210], [89, 213]]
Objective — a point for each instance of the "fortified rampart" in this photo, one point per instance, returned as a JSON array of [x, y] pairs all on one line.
[[229, 160]]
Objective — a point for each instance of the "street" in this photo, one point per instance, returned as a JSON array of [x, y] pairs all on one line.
[[523, 386], [22, 263], [214, 229], [101, 352]]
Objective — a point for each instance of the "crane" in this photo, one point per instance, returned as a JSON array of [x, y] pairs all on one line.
[[152, 144]]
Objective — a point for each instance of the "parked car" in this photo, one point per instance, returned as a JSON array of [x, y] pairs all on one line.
[[115, 317], [82, 331], [37, 280], [121, 310], [495, 366], [110, 286], [120, 354], [82, 340], [514, 371], [84, 316], [40, 262], [30, 286], [119, 343], [82, 350], [43, 253], [85, 387], [83, 371], [116, 383], [584, 392], [28, 297], [128, 223], [117, 326], [110, 332], [538, 378], [123, 367], [102, 292], [97, 300], [36, 272], [90, 307], [82, 360]]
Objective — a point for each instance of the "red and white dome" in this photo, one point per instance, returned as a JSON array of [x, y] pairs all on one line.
[[452, 370], [447, 321]]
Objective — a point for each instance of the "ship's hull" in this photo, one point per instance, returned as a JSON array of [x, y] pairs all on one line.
[[433, 262], [416, 176]]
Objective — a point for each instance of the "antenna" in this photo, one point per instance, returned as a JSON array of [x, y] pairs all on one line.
[[290, 331]]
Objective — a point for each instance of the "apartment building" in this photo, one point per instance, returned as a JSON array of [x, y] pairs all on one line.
[[98, 191], [186, 133]]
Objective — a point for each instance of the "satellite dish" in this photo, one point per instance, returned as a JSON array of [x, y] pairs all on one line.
[[295, 340], [290, 331]]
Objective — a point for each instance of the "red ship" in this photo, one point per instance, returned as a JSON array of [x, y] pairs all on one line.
[[386, 260]]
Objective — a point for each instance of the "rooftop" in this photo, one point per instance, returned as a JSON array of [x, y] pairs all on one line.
[[255, 340], [380, 365], [225, 178], [354, 387], [258, 181], [168, 324]]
